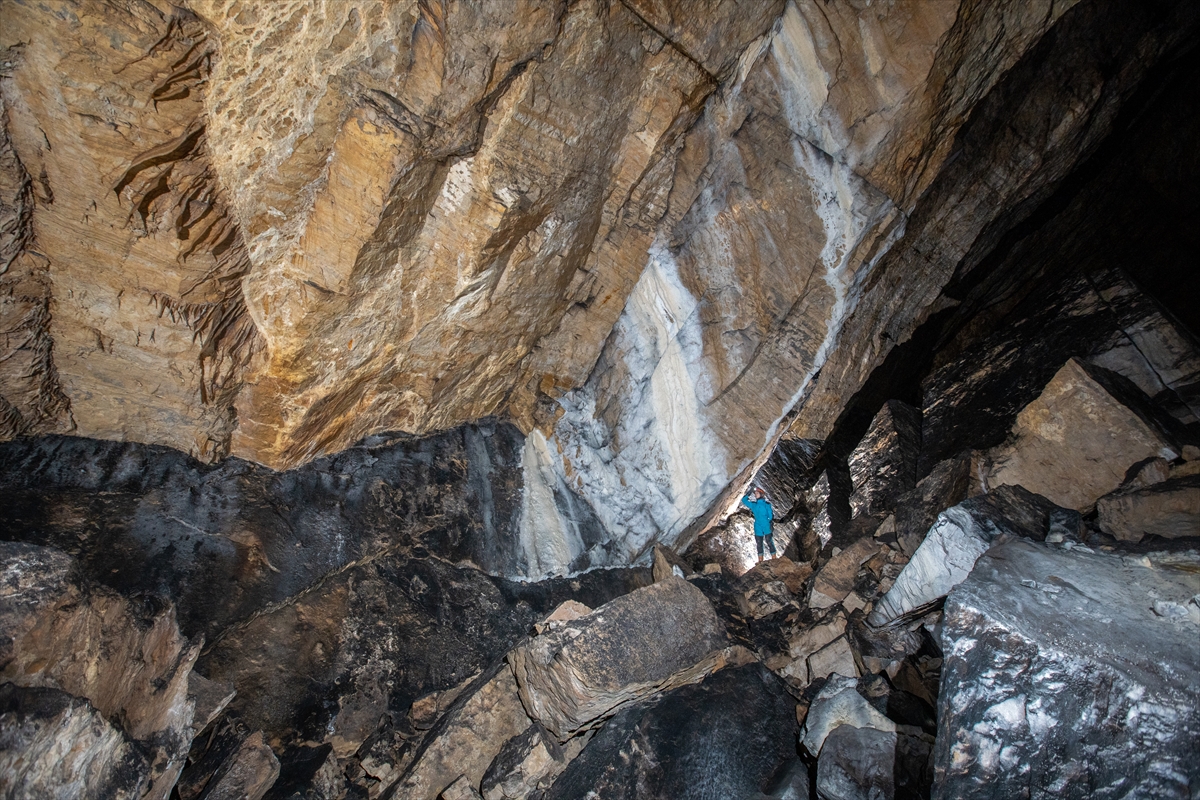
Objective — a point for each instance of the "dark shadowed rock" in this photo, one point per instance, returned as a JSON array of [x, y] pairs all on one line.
[[959, 537], [624, 650], [55, 745], [1170, 509], [917, 510], [884, 464], [1061, 681], [731, 736], [870, 764]]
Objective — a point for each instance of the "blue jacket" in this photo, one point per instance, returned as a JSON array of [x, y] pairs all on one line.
[[763, 514]]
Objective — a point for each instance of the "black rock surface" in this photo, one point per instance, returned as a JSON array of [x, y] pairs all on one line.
[[734, 735]]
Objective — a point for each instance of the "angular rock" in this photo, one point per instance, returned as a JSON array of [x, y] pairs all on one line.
[[461, 789], [1074, 443], [766, 599], [54, 745], [810, 640], [1170, 509], [247, 775], [835, 580], [783, 569], [730, 736], [527, 763], [128, 659], [633, 646], [835, 658], [839, 703], [956, 541], [1061, 681], [208, 699], [916, 511], [467, 739], [668, 563], [884, 464], [867, 763]]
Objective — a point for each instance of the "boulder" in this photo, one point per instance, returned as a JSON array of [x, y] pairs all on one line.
[[835, 658], [208, 699], [1074, 443], [651, 639], [247, 775], [835, 580], [1170, 509], [668, 563], [55, 745], [956, 541], [527, 763], [872, 764], [1061, 681], [839, 703], [730, 736], [884, 464], [461, 789], [467, 739], [917, 510]]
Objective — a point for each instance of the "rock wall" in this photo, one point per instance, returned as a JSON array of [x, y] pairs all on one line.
[[655, 239]]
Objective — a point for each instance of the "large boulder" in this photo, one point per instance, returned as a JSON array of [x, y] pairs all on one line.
[[956, 541], [917, 510], [839, 704], [663, 635], [1170, 509], [1075, 442], [1062, 680], [731, 736], [872, 764]]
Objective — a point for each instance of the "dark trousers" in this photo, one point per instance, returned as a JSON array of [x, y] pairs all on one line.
[[770, 541]]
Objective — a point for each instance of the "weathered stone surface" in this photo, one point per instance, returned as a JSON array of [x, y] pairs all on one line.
[[916, 511], [1060, 681], [1076, 441], [247, 774], [527, 763], [1170, 509], [863, 763], [667, 564], [733, 735], [461, 789], [53, 744], [835, 658], [839, 703], [884, 464], [835, 580], [633, 646], [467, 739], [208, 699], [956, 541], [128, 660]]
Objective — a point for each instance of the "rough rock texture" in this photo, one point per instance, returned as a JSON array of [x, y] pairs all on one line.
[[467, 739], [956, 541], [884, 465], [835, 579], [1170, 509], [56, 745], [645, 232], [248, 773], [1061, 681], [1076, 441], [839, 703], [127, 659], [916, 511], [655, 638], [866, 763], [527, 763], [728, 736]]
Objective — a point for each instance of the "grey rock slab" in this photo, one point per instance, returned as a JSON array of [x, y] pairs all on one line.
[[626, 649], [872, 764], [1061, 681], [248, 774], [836, 658], [956, 541], [884, 464], [839, 703]]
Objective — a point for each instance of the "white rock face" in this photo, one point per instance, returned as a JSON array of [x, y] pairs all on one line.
[[839, 703], [944, 559]]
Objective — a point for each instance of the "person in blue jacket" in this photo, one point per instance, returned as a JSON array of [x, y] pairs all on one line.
[[760, 506]]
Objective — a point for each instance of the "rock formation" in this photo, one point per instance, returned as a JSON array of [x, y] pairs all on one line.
[[379, 380]]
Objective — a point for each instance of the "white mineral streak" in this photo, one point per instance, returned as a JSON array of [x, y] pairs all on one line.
[[550, 540], [667, 466]]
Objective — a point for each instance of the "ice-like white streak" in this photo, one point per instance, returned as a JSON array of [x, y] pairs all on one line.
[[549, 542]]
